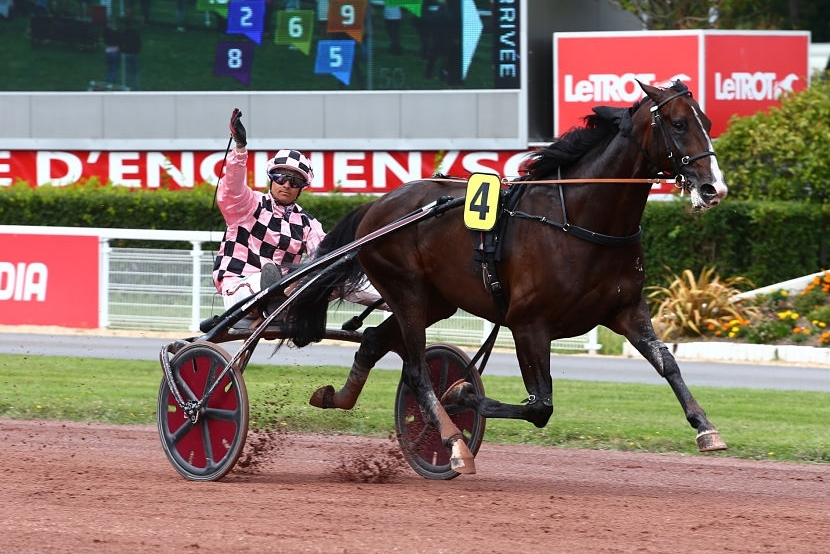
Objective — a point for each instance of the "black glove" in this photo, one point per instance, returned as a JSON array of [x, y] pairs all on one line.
[[237, 129]]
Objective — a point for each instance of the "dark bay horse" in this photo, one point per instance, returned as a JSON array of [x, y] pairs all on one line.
[[570, 259]]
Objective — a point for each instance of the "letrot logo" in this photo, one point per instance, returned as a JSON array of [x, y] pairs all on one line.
[[741, 85], [608, 87], [23, 282]]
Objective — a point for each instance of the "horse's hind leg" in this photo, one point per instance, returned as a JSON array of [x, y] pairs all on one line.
[[372, 348], [708, 439]]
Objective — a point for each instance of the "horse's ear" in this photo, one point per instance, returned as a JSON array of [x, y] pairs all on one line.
[[651, 92]]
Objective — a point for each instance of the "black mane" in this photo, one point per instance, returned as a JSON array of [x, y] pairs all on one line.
[[599, 128], [571, 146]]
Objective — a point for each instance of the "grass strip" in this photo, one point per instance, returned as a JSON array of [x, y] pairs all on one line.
[[755, 423]]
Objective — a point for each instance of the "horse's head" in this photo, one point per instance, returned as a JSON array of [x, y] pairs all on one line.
[[684, 149]]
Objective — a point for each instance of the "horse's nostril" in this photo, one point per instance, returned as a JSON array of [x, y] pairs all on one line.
[[707, 190]]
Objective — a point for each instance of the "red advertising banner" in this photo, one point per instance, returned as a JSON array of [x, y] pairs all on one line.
[[593, 69], [374, 172], [747, 72], [729, 72], [49, 280]]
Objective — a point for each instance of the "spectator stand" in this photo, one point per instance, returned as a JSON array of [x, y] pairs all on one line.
[[62, 29]]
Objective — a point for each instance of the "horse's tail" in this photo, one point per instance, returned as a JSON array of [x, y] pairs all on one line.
[[308, 311]]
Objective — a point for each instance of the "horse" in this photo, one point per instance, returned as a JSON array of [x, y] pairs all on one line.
[[569, 259]]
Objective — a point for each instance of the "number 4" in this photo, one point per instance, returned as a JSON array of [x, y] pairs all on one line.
[[481, 204]]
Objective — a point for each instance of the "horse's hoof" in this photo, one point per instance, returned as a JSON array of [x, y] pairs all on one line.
[[455, 391], [461, 459], [710, 441], [323, 397]]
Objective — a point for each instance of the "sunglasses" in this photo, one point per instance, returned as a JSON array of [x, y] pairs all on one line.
[[293, 181]]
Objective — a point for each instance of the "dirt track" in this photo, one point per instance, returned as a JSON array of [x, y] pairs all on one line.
[[77, 487]]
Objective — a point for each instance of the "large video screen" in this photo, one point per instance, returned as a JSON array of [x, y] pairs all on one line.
[[263, 45]]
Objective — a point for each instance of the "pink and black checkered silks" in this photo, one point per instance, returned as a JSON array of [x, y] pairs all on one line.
[[277, 233]]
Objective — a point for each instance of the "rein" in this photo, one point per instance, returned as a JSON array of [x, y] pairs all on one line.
[[565, 226], [506, 181], [596, 181]]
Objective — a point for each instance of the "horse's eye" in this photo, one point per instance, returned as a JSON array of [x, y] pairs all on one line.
[[679, 125]]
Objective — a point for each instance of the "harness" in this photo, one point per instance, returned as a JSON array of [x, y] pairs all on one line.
[[488, 251], [575, 230]]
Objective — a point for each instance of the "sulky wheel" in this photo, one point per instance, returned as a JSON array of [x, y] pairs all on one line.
[[420, 442], [207, 449]]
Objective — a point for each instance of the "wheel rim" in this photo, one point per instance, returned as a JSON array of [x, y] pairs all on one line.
[[208, 449]]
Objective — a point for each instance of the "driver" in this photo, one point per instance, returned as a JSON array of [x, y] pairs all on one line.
[[267, 233]]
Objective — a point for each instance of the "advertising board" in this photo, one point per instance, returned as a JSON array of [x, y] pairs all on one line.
[[748, 72], [349, 171], [49, 280], [730, 73]]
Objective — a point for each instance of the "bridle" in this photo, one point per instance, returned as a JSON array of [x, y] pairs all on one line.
[[658, 124]]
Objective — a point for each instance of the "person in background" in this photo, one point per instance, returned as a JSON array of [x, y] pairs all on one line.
[[83, 9], [181, 15], [323, 18], [112, 54], [145, 12], [41, 8], [130, 49], [392, 19]]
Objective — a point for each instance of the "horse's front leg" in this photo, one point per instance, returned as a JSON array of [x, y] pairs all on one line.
[[640, 333], [708, 439]]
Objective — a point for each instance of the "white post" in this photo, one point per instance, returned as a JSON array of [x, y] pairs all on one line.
[[593, 345], [104, 284], [196, 287]]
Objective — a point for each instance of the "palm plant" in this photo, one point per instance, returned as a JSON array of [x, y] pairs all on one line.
[[690, 305]]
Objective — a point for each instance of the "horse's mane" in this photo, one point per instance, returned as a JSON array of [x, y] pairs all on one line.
[[598, 129]]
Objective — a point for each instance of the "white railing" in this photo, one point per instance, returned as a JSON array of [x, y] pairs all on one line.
[[172, 290]]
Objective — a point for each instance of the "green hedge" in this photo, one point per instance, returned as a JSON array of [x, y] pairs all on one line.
[[93, 205], [767, 242]]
